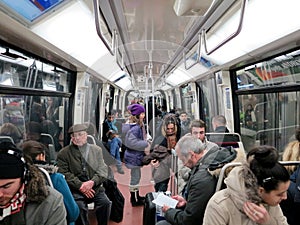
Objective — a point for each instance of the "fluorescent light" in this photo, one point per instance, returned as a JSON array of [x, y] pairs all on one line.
[[262, 25], [79, 39], [178, 76], [124, 83]]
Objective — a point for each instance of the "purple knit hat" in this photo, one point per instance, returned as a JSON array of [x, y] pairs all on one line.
[[136, 109]]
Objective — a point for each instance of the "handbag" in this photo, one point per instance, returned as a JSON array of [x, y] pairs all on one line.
[[116, 197]]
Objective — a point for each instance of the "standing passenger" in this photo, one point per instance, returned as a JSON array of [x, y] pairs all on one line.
[[24, 196], [184, 123], [135, 143], [160, 157], [219, 124], [85, 171], [253, 192]]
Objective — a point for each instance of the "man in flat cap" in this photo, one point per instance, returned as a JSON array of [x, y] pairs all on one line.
[[26, 199], [85, 171]]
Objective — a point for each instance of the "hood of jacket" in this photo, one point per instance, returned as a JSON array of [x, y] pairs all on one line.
[[217, 157], [241, 186], [51, 169], [36, 188], [126, 127]]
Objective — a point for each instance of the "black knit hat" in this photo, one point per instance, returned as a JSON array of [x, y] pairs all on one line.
[[12, 163]]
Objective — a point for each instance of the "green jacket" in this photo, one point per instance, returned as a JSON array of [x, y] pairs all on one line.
[[70, 163]]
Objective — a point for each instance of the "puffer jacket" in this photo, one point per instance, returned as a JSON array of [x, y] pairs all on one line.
[[226, 206], [135, 144], [59, 183]]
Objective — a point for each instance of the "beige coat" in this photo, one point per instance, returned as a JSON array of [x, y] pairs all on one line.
[[226, 206]]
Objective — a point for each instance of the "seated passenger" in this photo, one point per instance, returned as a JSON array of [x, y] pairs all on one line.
[[33, 133], [201, 184], [292, 151], [10, 130], [253, 192], [291, 206], [34, 153], [108, 124], [85, 171], [24, 196], [114, 144]]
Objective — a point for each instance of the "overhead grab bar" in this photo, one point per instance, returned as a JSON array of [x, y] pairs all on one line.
[[99, 31], [198, 54], [233, 35]]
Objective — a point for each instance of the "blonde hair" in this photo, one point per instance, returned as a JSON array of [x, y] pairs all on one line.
[[291, 153]]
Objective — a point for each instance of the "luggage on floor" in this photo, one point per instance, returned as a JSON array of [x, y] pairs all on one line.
[[151, 213]]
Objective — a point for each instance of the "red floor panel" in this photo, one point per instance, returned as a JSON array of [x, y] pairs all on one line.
[[132, 215]]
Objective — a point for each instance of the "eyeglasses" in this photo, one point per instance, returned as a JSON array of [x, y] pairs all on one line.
[[79, 134]]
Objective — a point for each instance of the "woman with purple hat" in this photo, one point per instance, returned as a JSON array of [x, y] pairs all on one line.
[[135, 143]]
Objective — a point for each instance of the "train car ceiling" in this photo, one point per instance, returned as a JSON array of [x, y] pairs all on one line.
[[151, 36]]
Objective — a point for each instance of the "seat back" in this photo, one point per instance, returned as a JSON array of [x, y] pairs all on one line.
[[223, 173], [7, 138], [47, 176], [91, 140], [48, 140], [226, 139]]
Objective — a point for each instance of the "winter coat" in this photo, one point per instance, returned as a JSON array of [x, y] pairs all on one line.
[[200, 187], [226, 206], [69, 162], [60, 184], [135, 144], [50, 212], [44, 205], [162, 172]]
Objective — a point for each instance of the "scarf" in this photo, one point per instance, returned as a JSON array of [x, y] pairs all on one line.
[[15, 205]]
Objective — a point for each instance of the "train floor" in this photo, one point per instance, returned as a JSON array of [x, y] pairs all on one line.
[[132, 215]]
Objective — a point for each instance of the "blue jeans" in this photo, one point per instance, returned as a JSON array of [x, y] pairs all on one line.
[[102, 209], [114, 149]]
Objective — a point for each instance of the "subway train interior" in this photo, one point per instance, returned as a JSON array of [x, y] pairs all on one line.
[[72, 61]]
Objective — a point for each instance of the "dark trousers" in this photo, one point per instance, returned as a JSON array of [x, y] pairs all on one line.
[[161, 186], [102, 209]]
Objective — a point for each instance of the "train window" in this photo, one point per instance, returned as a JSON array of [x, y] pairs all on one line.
[[282, 70], [16, 70], [46, 115], [35, 91], [270, 115]]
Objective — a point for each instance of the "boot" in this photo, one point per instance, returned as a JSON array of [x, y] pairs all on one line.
[[140, 198], [135, 201]]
